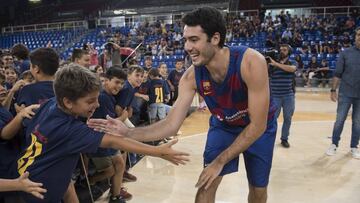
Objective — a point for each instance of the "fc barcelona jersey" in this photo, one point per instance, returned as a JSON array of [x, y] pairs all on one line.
[[227, 101]]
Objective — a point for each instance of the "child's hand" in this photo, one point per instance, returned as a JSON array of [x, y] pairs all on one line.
[[18, 85], [28, 112], [28, 186]]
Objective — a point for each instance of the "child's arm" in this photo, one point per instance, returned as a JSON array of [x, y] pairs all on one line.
[[163, 151], [143, 96], [13, 127], [7, 102], [22, 184]]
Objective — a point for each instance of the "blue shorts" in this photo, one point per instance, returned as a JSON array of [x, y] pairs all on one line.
[[257, 158]]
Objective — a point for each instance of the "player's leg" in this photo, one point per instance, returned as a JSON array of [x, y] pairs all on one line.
[[258, 160], [218, 139], [208, 196], [257, 194]]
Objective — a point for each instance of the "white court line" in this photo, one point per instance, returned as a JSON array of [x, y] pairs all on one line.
[[295, 122]]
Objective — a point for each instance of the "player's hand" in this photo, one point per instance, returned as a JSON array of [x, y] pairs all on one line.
[[173, 156], [109, 126], [209, 174], [28, 186], [28, 112], [334, 96]]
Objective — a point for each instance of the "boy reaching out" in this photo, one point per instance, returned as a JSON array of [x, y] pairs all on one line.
[[58, 135]]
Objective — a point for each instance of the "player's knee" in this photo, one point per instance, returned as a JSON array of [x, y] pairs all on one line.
[[258, 192]]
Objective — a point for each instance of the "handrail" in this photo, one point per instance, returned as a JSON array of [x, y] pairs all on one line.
[[45, 27], [100, 21]]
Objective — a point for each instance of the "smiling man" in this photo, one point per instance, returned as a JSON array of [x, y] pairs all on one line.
[[234, 83]]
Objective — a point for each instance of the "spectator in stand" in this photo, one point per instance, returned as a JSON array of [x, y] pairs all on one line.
[[163, 71], [300, 70], [93, 55], [349, 24], [311, 69], [148, 63], [174, 79], [98, 70], [21, 53], [81, 57], [11, 76], [7, 59], [305, 48], [105, 60], [297, 39], [323, 72], [287, 36]]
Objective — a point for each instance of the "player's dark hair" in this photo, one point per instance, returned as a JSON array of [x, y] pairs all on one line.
[[210, 20]]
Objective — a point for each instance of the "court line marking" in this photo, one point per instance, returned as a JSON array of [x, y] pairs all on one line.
[[295, 122]]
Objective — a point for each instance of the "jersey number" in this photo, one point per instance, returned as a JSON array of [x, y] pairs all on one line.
[[159, 95]]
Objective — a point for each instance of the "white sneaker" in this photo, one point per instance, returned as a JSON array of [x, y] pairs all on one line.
[[332, 150], [355, 153]]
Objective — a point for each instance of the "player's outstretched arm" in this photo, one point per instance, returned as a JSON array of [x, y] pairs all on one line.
[[163, 151], [165, 128]]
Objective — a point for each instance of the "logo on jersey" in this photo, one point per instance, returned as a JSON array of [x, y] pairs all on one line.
[[207, 87], [219, 117]]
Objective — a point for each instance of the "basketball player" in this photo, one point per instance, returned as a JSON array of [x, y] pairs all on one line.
[[234, 83]]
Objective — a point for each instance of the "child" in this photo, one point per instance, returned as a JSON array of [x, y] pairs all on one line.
[[124, 100], [27, 77], [44, 64], [11, 77], [174, 79], [158, 95], [9, 127], [108, 162], [58, 135]]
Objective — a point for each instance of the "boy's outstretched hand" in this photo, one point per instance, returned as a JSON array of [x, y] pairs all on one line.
[[169, 154]]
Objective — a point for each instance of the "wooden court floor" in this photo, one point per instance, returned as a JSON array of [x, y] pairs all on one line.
[[300, 174]]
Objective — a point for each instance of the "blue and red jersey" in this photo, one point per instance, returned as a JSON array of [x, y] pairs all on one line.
[[227, 101]]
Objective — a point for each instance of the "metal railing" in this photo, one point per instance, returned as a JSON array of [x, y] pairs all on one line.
[[45, 27]]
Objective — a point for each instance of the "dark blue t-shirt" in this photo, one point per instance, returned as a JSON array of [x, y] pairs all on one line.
[[157, 91], [22, 66], [126, 95], [107, 107], [36, 93], [57, 139], [175, 76], [9, 149]]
